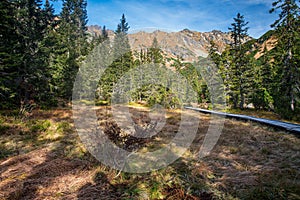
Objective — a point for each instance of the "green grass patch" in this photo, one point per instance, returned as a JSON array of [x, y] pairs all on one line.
[[37, 126]]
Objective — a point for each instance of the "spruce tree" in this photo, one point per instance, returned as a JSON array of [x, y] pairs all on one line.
[[287, 57], [98, 39], [155, 53], [71, 47], [264, 73], [10, 56], [123, 61], [32, 72], [123, 26], [239, 67]]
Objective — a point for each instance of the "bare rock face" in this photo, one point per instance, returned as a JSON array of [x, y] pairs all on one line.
[[186, 44]]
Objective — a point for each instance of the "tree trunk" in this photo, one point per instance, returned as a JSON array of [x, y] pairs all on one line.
[[242, 102]]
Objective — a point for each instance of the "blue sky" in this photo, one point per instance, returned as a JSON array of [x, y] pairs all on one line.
[[175, 15]]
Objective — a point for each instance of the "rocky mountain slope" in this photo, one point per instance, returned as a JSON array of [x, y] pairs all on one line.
[[191, 44], [186, 43], [267, 42]]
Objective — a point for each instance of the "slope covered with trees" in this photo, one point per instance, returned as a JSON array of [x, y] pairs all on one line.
[[41, 53], [271, 80]]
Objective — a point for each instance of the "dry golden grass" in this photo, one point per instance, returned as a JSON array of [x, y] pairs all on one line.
[[261, 114], [250, 161]]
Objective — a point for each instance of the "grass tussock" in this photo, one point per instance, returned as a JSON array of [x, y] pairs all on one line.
[[43, 158]]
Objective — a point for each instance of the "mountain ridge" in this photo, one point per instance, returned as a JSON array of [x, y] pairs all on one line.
[[186, 44]]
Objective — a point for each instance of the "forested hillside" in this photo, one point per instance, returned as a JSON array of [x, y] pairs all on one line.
[[41, 53], [264, 71]]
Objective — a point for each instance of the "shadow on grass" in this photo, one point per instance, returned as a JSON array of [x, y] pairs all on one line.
[[166, 184], [53, 154], [249, 162]]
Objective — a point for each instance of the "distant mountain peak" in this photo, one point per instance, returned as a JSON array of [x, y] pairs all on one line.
[[186, 43]]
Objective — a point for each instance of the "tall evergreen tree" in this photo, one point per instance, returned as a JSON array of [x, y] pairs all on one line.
[[263, 82], [98, 39], [287, 57], [239, 67], [123, 26], [222, 61], [123, 60], [104, 33], [49, 12], [10, 57], [71, 47], [48, 44], [239, 31], [32, 73], [121, 43]]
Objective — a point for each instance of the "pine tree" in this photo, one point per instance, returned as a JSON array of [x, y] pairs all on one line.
[[121, 43], [26, 48], [71, 47], [287, 57], [98, 39], [123, 26], [155, 53], [123, 61], [32, 72], [222, 62], [49, 13], [48, 45], [224, 72], [10, 56], [213, 53], [238, 31], [104, 33], [239, 66], [264, 73]]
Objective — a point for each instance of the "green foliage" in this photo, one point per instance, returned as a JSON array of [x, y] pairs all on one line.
[[40, 54], [239, 70], [22, 56], [39, 126], [123, 26], [191, 73], [122, 63], [38, 70], [9, 58], [71, 46], [64, 127], [155, 53], [158, 94], [271, 81], [286, 57], [262, 99], [265, 36]]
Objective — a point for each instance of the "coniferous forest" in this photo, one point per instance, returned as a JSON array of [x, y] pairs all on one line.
[[49, 61], [41, 53]]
